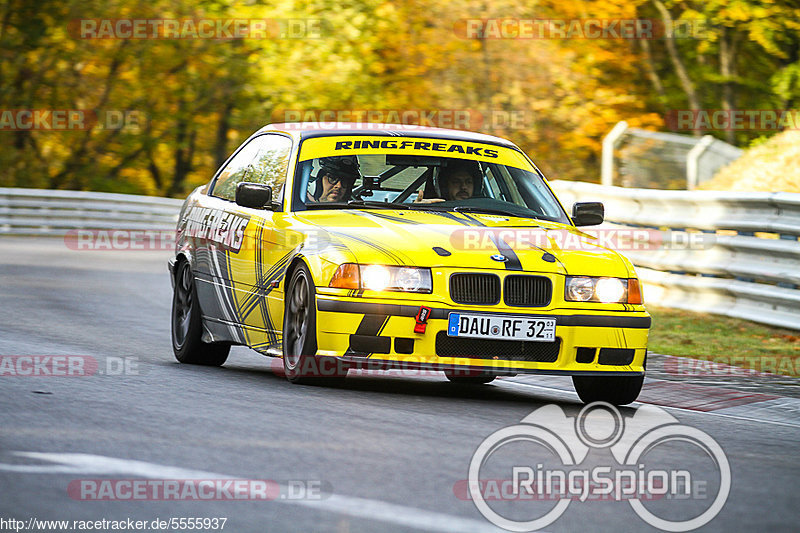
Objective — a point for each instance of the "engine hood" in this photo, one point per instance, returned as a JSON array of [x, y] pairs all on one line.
[[462, 240]]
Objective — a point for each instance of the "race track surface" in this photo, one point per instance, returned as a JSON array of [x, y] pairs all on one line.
[[378, 453]]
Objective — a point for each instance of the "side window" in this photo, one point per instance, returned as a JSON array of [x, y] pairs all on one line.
[[235, 171], [271, 163]]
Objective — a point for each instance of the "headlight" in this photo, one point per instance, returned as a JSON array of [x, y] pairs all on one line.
[[382, 278], [604, 290], [580, 289], [610, 290]]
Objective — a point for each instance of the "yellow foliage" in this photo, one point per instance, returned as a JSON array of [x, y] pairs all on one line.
[[769, 167]]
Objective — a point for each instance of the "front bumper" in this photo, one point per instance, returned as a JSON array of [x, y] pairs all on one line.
[[381, 335]]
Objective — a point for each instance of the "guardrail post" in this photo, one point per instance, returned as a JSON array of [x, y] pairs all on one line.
[[693, 160], [609, 144]]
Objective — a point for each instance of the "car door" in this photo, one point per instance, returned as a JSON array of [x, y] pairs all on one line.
[[222, 228], [251, 271]]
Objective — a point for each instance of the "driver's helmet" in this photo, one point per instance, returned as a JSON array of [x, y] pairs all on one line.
[[343, 166], [457, 166]]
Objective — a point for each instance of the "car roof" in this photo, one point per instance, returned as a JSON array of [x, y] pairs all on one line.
[[308, 130]]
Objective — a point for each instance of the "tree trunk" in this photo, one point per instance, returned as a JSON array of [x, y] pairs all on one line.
[[727, 50], [680, 69], [652, 75], [223, 127]]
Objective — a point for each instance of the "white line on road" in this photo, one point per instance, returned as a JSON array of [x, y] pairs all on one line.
[[82, 463]]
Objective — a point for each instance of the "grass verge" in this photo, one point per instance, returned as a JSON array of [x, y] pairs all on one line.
[[725, 340]]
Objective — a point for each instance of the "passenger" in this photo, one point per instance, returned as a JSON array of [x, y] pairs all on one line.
[[457, 181]]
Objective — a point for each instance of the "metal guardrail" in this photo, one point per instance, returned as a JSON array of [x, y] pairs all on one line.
[[55, 213], [728, 253], [737, 274]]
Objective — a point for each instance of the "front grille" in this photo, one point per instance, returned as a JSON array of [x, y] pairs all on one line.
[[527, 291], [475, 289], [541, 352]]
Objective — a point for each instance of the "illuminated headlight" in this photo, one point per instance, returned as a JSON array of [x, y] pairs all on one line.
[[375, 277], [382, 278], [604, 290], [611, 290]]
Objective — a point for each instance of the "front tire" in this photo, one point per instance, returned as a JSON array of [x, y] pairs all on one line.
[[187, 324], [616, 390], [300, 363]]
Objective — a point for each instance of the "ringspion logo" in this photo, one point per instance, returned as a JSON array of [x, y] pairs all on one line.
[[648, 460]]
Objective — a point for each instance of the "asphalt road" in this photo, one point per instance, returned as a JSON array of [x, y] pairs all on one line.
[[378, 453]]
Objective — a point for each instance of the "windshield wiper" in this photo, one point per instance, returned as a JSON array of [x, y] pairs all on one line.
[[356, 203], [488, 210], [374, 203]]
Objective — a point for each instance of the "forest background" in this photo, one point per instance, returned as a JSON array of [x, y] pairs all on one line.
[[170, 110]]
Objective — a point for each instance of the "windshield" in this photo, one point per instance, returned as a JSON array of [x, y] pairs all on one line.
[[485, 179]]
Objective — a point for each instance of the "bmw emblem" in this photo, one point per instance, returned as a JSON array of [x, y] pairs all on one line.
[[500, 257]]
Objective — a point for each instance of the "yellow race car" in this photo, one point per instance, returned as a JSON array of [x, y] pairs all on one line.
[[345, 246]]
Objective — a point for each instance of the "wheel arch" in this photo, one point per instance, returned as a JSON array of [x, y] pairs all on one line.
[[312, 263], [180, 257]]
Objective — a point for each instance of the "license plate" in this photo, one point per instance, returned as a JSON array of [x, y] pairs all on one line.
[[501, 327]]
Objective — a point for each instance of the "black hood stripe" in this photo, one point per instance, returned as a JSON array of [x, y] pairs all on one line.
[[512, 260]]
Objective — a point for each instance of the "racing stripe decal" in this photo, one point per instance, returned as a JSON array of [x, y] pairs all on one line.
[[474, 220], [451, 216], [371, 325], [393, 218], [512, 260], [225, 292], [398, 260], [256, 297]]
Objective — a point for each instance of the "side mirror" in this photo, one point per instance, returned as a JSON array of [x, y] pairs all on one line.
[[254, 195], [588, 213]]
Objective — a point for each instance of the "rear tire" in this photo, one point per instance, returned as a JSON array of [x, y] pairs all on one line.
[[187, 324], [616, 390]]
